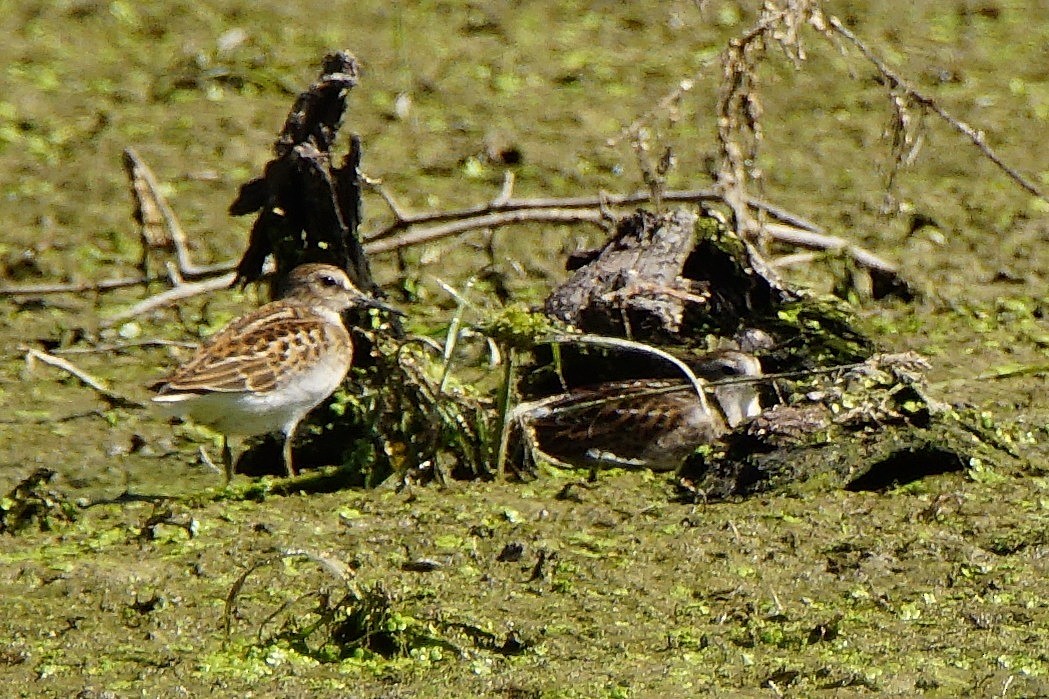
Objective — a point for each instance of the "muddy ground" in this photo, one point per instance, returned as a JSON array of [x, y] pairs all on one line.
[[557, 587]]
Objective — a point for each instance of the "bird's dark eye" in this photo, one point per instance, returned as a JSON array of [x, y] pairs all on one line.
[[729, 369], [328, 280]]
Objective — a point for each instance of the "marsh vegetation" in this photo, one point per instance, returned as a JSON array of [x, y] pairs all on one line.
[[129, 571]]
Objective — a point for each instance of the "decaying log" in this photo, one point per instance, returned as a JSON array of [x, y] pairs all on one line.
[[674, 280], [668, 278], [634, 286]]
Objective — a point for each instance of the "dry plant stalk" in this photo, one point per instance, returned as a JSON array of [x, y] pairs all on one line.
[[111, 397], [739, 109]]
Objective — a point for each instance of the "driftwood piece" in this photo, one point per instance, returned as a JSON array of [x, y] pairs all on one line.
[[308, 209], [668, 278], [634, 284], [673, 280]]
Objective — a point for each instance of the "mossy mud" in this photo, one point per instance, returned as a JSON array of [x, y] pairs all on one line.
[[134, 574]]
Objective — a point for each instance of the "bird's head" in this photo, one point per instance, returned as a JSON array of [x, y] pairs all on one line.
[[329, 287]]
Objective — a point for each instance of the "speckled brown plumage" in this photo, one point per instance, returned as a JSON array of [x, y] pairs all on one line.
[[652, 423], [253, 353], [265, 370]]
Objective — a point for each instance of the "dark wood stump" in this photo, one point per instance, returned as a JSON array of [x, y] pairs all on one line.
[[309, 209]]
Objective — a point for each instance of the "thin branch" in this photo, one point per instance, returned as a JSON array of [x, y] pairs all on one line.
[[506, 415], [816, 241], [199, 272], [661, 107], [896, 82], [697, 383], [499, 212], [998, 374], [796, 259], [111, 397], [376, 185], [507, 190], [152, 212], [405, 220], [79, 288], [51, 420], [801, 233], [474, 222], [121, 346], [738, 110], [170, 296]]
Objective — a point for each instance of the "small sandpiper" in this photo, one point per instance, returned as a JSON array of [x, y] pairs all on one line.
[[266, 370], [650, 423]]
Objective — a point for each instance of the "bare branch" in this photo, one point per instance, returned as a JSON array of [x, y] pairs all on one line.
[[170, 296], [405, 220], [507, 190], [807, 239], [122, 346], [200, 272], [489, 220], [79, 288], [817, 241], [796, 259], [500, 212], [153, 212], [376, 185], [111, 397], [664, 105], [898, 84]]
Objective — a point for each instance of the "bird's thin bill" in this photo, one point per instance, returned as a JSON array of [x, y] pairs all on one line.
[[369, 302]]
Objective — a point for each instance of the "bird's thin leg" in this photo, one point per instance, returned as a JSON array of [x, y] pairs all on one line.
[[287, 451], [227, 459]]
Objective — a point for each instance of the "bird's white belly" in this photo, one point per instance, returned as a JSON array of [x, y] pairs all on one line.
[[249, 413]]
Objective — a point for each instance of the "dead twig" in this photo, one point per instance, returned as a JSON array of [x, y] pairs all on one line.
[[821, 241], [159, 227], [502, 211], [739, 111], [489, 220], [113, 398], [170, 296], [200, 272], [122, 346], [538, 207], [335, 568], [48, 419], [797, 259], [999, 374], [80, 288], [800, 232], [665, 105], [898, 85]]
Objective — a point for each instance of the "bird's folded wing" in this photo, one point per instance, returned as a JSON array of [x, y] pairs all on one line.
[[247, 354]]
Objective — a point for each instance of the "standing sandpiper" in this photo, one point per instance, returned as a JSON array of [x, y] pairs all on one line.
[[266, 370]]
